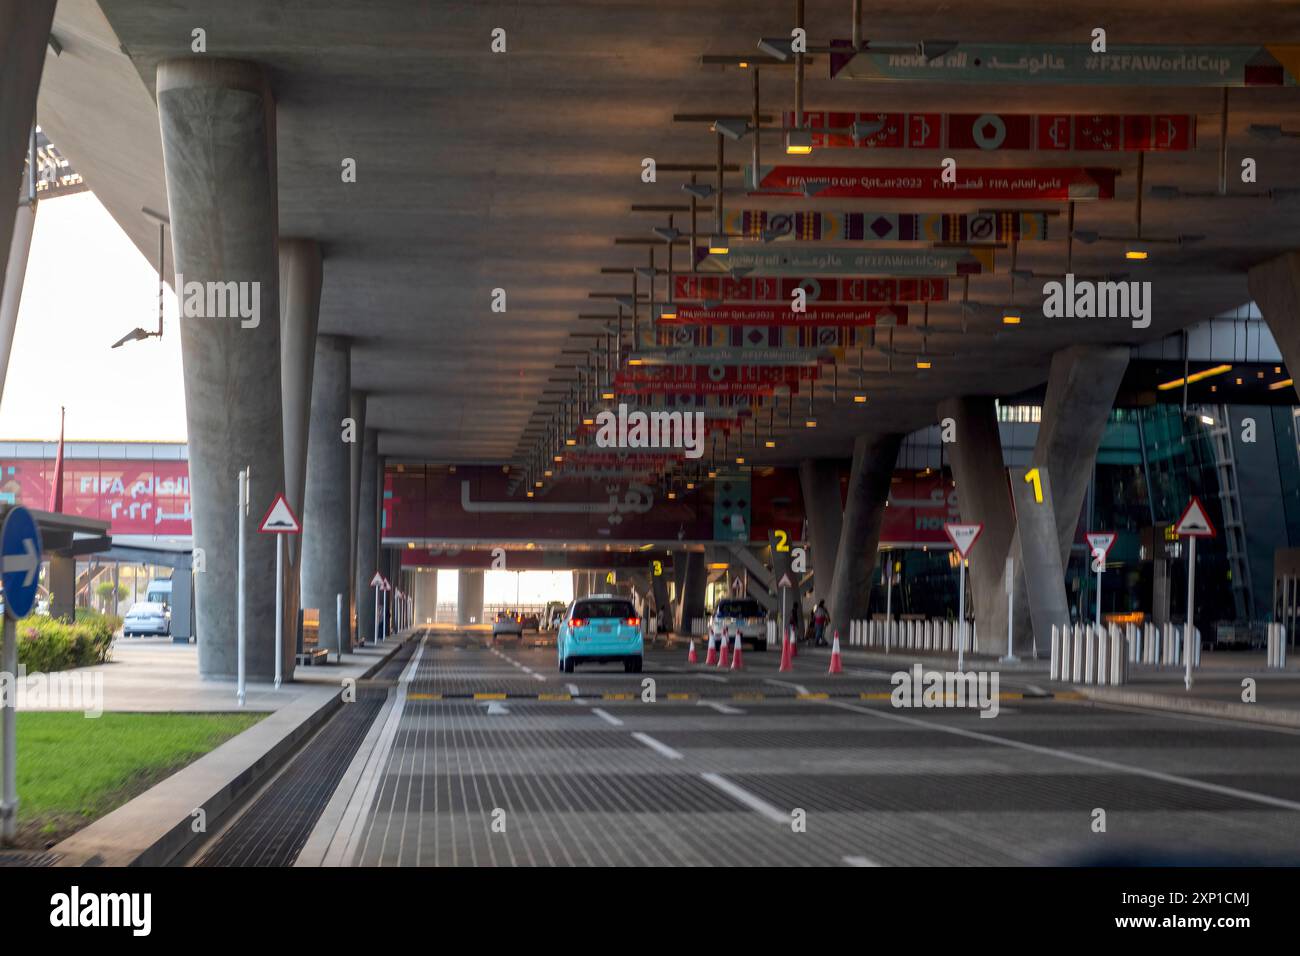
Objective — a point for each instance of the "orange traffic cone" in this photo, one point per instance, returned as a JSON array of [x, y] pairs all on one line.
[[724, 653], [690, 655], [786, 644], [711, 657], [737, 663], [837, 665]]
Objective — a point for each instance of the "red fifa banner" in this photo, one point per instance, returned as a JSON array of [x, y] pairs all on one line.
[[816, 316], [1144, 132], [853, 182], [777, 289]]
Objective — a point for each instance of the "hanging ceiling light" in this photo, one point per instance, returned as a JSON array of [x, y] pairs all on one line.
[[798, 142]]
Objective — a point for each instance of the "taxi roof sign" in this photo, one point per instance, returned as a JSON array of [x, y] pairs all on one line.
[[962, 536], [1195, 523]]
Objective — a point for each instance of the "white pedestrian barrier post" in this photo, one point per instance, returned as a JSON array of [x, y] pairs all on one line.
[[1054, 667], [338, 624], [1076, 669]]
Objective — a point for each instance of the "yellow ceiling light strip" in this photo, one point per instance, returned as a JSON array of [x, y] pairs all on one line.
[[1194, 377]]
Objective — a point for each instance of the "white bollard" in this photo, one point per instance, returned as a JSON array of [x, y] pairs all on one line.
[[1076, 663], [1090, 654], [1055, 667]]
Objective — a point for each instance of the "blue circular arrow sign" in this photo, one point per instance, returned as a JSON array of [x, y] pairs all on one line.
[[20, 552]]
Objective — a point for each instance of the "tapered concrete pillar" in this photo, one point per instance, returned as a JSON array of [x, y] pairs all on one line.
[[11, 292], [218, 132], [1081, 389], [977, 467], [690, 592], [581, 586], [367, 535], [326, 536], [426, 596], [864, 510], [469, 597], [24, 33], [300, 282], [820, 481], [1275, 287], [63, 588], [356, 464]]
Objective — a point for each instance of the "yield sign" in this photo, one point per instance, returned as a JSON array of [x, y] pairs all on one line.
[[1100, 542], [962, 536], [1195, 523], [785, 581], [280, 518], [377, 581]]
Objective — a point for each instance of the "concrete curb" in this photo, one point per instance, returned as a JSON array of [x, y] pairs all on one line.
[[138, 834], [1198, 706]]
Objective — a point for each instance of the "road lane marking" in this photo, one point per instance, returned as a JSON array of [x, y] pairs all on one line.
[[655, 745], [607, 717], [753, 801], [1078, 758], [572, 689], [497, 710], [721, 708], [859, 861], [798, 688]]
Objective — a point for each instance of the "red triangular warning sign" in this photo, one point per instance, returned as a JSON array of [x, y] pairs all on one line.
[[377, 581], [1101, 542], [280, 518], [963, 536], [1195, 523]]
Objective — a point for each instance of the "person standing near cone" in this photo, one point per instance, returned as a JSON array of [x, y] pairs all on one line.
[[821, 618]]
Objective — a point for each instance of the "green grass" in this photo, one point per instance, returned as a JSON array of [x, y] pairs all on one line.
[[72, 769]]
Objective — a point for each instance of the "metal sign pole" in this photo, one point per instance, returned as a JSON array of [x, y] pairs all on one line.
[[374, 631], [279, 609], [243, 500], [338, 624], [1100, 564], [961, 613], [1188, 630], [9, 796]]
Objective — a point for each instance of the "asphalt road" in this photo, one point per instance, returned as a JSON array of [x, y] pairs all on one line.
[[496, 758]]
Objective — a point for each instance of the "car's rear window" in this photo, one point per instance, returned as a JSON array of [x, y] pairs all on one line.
[[739, 609], [143, 608], [603, 609]]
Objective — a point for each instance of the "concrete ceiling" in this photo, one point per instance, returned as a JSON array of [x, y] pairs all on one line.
[[478, 171]]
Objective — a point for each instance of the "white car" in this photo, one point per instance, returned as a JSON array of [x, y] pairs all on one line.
[[743, 614], [146, 617]]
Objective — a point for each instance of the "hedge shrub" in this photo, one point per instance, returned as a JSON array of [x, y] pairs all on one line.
[[46, 644]]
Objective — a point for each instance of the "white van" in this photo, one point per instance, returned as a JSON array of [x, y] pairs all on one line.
[[159, 591]]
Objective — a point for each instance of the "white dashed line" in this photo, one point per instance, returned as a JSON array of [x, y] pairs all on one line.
[[607, 717], [655, 745], [859, 861], [721, 708], [755, 803]]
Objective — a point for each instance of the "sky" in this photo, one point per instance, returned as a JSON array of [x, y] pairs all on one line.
[[86, 286]]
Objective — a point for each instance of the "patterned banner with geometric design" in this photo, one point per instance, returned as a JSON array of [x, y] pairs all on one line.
[[848, 261], [1053, 132], [772, 289], [810, 226]]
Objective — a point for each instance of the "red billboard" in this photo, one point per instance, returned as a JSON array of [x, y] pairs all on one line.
[[138, 497]]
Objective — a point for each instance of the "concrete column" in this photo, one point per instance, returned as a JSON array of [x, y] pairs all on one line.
[[864, 510], [218, 131], [326, 537], [24, 33], [356, 456], [581, 586], [1081, 389], [820, 482], [63, 588], [978, 469], [1275, 287], [426, 596], [690, 596], [469, 597], [300, 282], [11, 292], [367, 535]]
